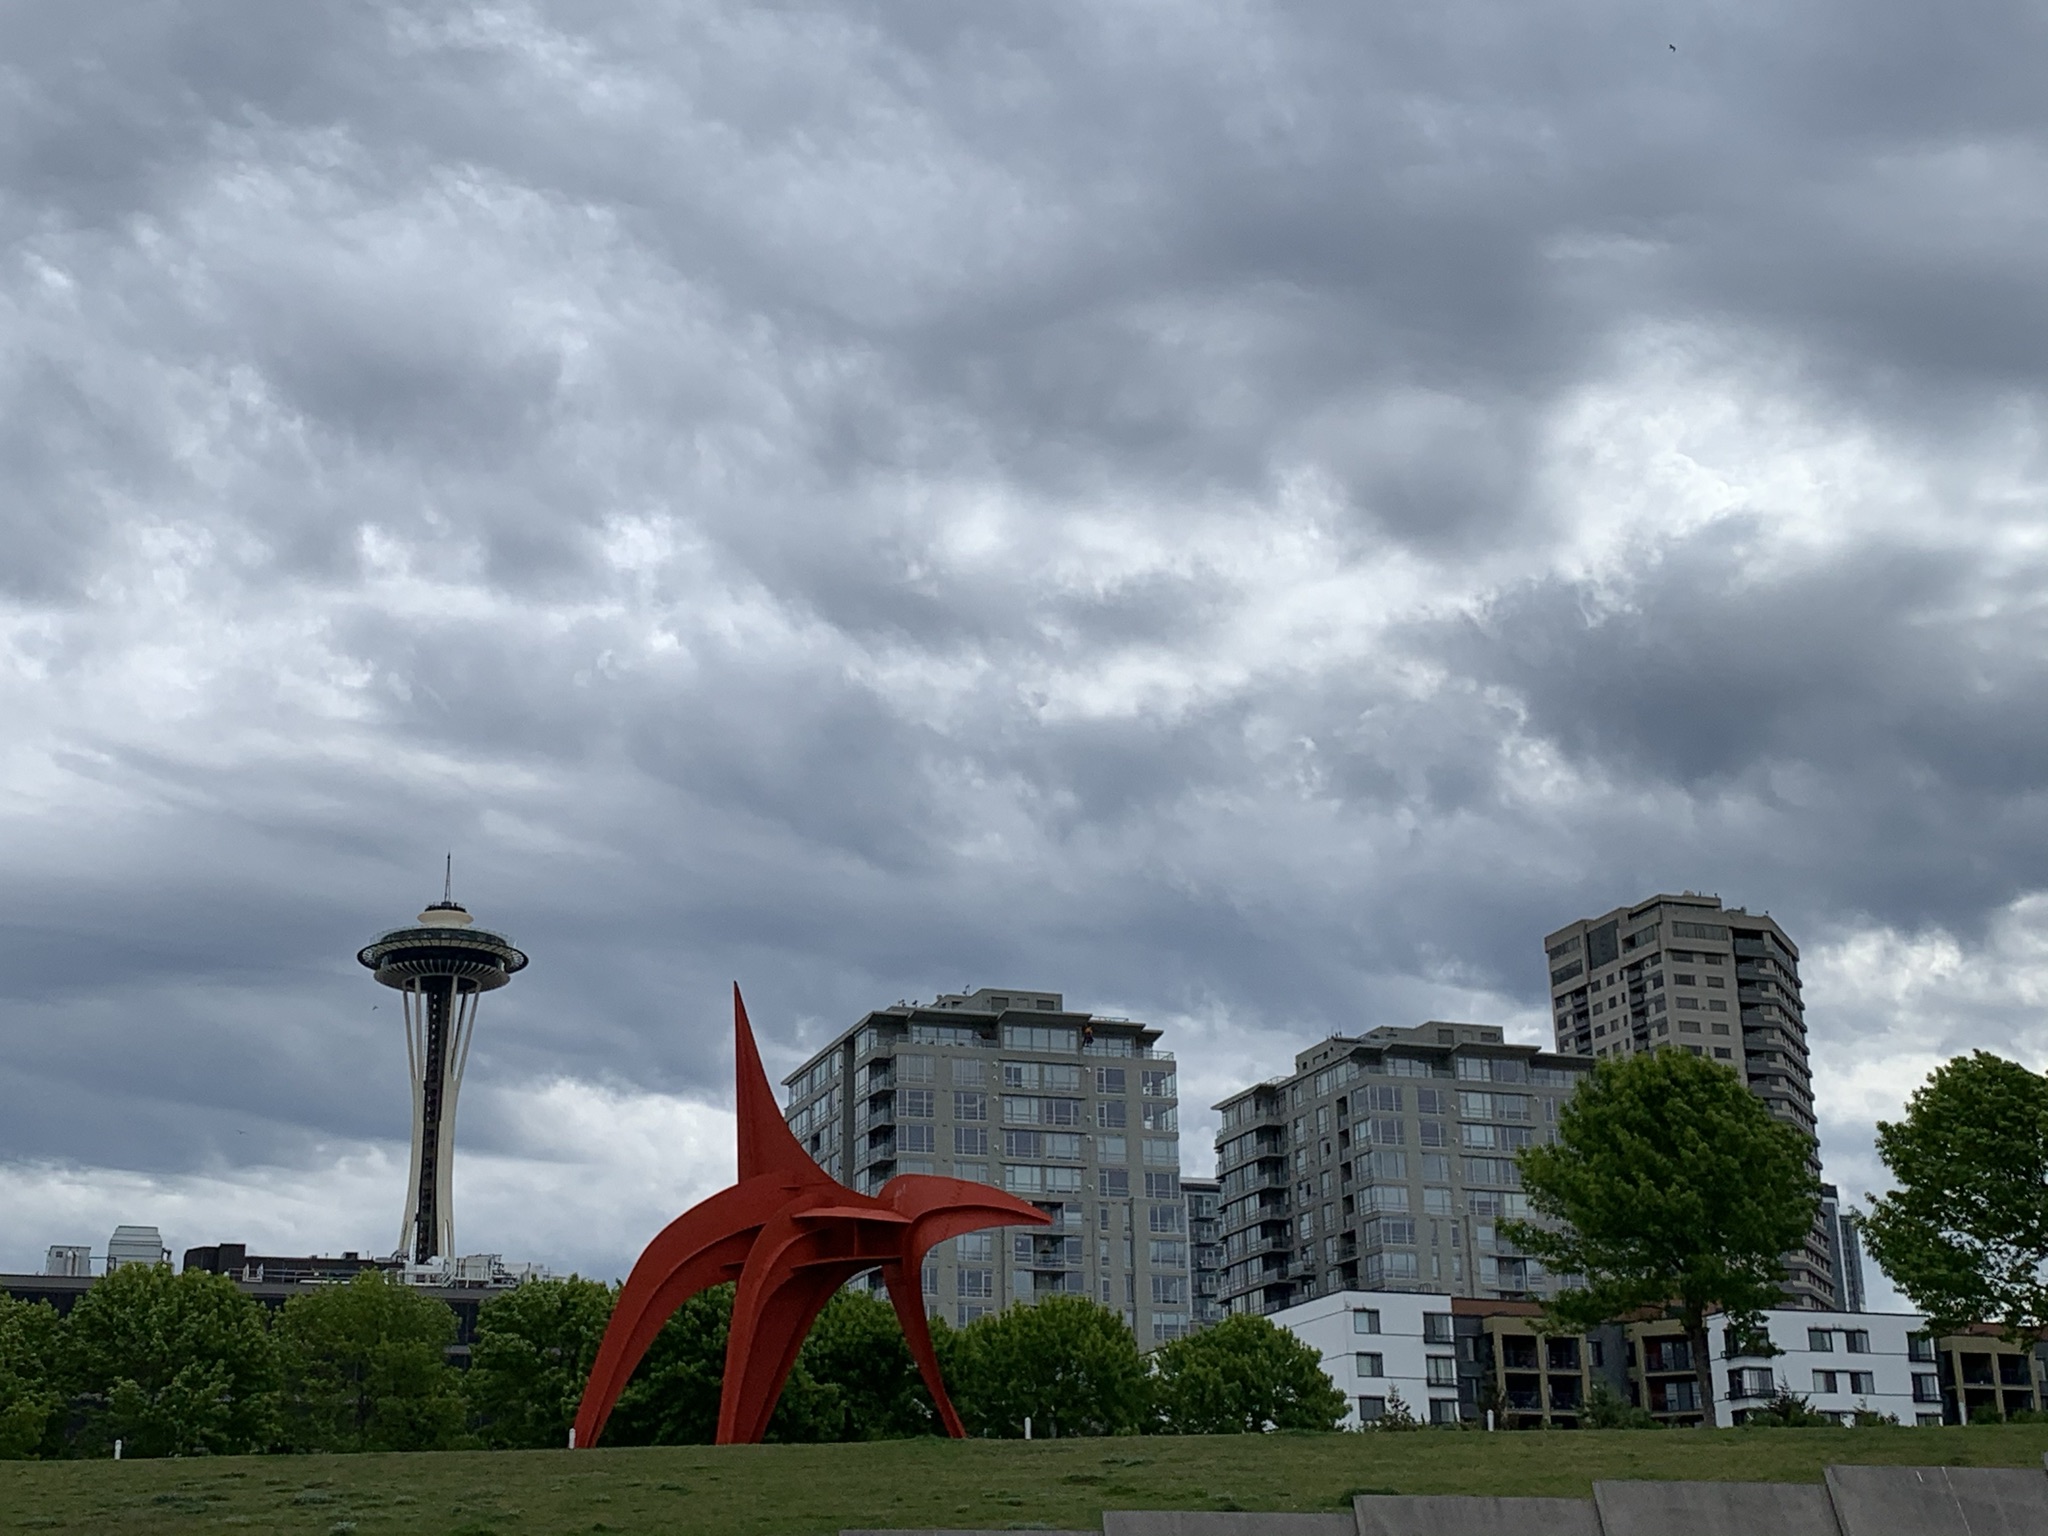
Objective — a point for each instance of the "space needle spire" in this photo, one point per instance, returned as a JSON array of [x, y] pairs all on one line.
[[441, 966]]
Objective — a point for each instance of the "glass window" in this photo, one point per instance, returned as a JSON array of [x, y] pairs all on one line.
[[1365, 1320], [1371, 1365], [1371, 1408], [1443, 1371], [1856, 1341], [1823, 1381], [968, 1072], [1820, 1340], [1038, 1037], [1109, 1080], [970, 1106], [1436, 1327], [970, 1141]]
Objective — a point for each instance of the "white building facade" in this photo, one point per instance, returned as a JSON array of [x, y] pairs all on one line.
[[1437, 1356], [1380, 1345]]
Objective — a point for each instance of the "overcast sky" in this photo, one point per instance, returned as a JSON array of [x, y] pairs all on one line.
[[1247, 514]]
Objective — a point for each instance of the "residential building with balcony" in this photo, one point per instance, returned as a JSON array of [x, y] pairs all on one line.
[[1384, 1162], [1205, 1248], [1683, 971], [1455, 1359], [1076, 1113]]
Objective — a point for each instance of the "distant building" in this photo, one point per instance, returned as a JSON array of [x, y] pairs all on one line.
[[1851, 1272], [1452, 1360], [1845, 1249], [1383, 1162], [67, 1259], [1008, 1086], [236, 1261], [1722, 983], [1205, 1248], [136, 1245]]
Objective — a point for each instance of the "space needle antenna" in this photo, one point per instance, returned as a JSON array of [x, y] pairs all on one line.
[[448, 879]]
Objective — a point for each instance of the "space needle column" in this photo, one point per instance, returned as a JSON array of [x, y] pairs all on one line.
[[440, 967]]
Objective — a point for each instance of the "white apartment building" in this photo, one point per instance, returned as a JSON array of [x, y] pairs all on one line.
[[1448, 1359]]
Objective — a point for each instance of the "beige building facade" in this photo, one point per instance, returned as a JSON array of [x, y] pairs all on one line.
[[1723, 983], [1078, 1114]]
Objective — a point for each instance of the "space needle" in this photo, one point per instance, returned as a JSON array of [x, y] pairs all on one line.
[[441, 966]]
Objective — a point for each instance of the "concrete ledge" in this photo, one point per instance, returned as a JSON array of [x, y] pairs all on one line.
[[1464, 1515], [1208, 1522], [1714, 1509], [1939, 1501]]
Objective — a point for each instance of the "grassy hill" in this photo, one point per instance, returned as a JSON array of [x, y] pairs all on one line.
[[806, 1490]]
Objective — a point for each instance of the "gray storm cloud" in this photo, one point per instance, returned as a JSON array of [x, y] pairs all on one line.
[[1246, 514]]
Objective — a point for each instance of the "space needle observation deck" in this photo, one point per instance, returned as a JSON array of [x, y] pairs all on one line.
[[441, 966]]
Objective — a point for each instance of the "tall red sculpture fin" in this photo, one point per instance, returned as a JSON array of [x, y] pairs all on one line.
[[906, 1295], [765, 1142], [700, 1248]]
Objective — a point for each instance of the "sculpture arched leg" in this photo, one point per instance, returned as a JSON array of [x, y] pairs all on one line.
[[907, 1297], [799, 1259], [699, 1249]]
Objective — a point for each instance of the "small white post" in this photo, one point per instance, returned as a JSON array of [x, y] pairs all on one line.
[[1489, 1421], [117, 1450], [1027, 1429], [572, 1437]]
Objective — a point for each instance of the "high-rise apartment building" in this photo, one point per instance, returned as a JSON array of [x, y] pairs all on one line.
[[1845, 1249], [1718, 982], [1205, 1248], [1383, 1162], [1077, 1114]]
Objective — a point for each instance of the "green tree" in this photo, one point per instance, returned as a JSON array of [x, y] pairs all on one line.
[[855, 1379], [1670, 1185], [169, 1365], [1395, 1418], [366, 1368], [672, 1398], [29, 1398], [532, 1354], [1605, 1410], [1069, 1365], [1242, 1376], [1965, 1235]]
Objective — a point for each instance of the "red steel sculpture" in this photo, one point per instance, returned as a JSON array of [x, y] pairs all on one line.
[[791, 1235]]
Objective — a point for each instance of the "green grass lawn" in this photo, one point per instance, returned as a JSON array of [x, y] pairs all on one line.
[[811, 1489]]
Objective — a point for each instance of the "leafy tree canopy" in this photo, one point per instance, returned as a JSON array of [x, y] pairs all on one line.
[[855, 1379], [1671, 1185], [532, 1354], [169, 1364], [673, 1396], [1070, 1365], [366, 1368], [1965, 1235], [1242, 1376], [29, 1398]]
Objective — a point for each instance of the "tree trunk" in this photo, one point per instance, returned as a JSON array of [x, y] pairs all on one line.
[[1702, 1364]]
